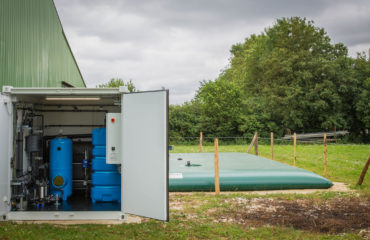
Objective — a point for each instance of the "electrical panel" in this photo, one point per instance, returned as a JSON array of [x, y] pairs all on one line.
[[113, 138]]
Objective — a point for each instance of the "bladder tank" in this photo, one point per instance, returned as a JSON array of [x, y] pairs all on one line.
[[61, 167]]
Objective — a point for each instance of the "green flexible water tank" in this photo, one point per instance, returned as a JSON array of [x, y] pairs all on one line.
[[238, 172]]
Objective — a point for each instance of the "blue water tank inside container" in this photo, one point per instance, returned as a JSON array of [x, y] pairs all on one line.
[[61, 167], [106, 179]]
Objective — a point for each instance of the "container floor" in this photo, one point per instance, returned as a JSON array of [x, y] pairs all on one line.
[[78, 202], [238, 172]]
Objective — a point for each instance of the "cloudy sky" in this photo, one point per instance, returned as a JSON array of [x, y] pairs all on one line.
[[177, 43]]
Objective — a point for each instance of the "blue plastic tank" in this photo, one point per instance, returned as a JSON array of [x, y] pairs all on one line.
[[61, 167], [106, 179]]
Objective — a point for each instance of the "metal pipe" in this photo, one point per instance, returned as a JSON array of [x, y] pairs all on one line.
[[46, 190], [21, 204], [15, 141], [71, 136], [76, 180], [42, 192]]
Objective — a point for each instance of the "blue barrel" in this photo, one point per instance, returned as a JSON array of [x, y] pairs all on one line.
[[61, 167]]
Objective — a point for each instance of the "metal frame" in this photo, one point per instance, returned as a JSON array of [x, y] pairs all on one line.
[[168, 154], [66, 215], [5, 165], [59, 215], [62, 91], [74, 215]]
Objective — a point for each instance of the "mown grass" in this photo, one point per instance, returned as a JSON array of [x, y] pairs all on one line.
[[175, 229], [344, 162]]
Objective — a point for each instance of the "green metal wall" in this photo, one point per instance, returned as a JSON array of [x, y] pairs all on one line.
[[33, 49]]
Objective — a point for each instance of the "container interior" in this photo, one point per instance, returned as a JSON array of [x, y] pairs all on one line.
[[39, 120]]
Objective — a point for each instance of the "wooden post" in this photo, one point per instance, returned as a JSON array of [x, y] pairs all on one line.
[[201, 142], [295, 149], [363, 173], [217, 177], [256, 145], [252, 142], [272, 145], [325, 156]]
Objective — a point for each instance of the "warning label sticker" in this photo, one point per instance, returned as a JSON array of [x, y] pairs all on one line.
[[175, 176]]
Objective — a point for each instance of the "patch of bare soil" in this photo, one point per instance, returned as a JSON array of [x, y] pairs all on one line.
[[331, 216]]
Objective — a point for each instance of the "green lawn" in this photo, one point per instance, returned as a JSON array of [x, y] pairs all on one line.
[[176, 229], [194, 218], [345, 162]]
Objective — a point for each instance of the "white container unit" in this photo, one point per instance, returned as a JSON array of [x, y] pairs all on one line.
[[137, 141]]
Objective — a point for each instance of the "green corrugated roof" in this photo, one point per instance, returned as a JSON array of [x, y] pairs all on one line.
[[34, 51]]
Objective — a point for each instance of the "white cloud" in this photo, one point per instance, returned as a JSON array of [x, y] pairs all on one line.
[[176, 44]]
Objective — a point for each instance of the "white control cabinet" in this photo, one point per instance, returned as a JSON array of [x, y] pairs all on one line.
[[113, 138]]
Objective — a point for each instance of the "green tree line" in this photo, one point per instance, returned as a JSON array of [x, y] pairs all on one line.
[[288, 78]]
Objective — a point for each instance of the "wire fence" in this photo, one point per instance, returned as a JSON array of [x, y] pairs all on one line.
[[231, 140], [315, 158]]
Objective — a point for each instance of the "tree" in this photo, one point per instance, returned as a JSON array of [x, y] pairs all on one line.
[[359, 104], [117, 82], [292, 77], [220, 103], [184, 120]]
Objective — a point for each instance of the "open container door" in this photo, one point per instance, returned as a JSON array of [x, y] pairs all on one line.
[[145, 154], [6, 113]]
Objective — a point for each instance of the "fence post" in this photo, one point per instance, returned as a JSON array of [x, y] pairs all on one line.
[[201, 142], [272, 145], [295, 149], [256, 145], [325, 154], [217, 177], [252, 142], [364, 170]]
